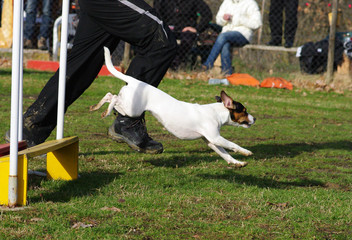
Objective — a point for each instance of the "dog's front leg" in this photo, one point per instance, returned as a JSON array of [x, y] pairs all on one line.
[[222, 142], [225, 155]]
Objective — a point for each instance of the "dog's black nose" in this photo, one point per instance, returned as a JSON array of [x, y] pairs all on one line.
[[254, 119]]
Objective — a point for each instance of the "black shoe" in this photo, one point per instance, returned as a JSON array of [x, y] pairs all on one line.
[[30, 143], [134, 132], [273, 43], [288, 44]]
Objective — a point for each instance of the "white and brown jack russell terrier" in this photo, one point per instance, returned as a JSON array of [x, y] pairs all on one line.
[[182, 119]]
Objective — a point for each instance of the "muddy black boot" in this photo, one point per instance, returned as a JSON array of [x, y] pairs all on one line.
[[30, 142], [134, 132]]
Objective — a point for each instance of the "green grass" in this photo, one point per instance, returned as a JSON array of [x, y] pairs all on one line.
[[297, 184]]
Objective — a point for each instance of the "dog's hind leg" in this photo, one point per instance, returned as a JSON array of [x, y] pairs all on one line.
[[114, 104], [106, 98], [225, 155]]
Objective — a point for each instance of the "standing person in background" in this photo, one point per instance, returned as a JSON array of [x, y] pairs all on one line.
[[45, 25], [104, 23], [277, 8], [238, 18], [1, 3], [187, 19]]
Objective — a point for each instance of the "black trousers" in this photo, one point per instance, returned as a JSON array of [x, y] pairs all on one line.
[[104, 23], [277, 7]]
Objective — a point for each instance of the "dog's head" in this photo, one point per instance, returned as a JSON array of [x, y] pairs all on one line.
[[238, 113]]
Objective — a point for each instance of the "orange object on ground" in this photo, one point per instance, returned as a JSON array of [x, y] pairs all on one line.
[[276, 82], [53, 66], [243, 79]]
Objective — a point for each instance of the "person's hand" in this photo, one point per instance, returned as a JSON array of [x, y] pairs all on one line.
[[189, 29], [227, 17]]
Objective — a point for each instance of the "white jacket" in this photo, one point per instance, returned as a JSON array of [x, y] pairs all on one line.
[[246, 17]]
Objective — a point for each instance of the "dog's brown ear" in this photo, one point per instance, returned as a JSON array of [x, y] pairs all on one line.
[[218, 99], [227, 100]]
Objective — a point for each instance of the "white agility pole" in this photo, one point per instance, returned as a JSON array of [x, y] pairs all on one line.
[[62, 71], [17, 91], [15, 98], [20, 96]]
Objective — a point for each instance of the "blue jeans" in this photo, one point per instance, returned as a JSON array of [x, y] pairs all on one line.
[[223, 45], [31, 16]]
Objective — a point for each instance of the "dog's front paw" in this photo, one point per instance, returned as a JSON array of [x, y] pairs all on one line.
[[105, 113], [241, 164], [246, 152], [93, 108], [237, 164]]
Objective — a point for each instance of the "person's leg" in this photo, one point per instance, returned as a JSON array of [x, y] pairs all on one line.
[[233, 39], [29, 26], [226, 59], [275, 21], [45, 25], [156, 48], [1, 3], [215, 51], [291, 8], [83, 64], [137, 23]]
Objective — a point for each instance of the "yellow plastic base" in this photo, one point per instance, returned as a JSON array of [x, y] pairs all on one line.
[[22, 178], [62, 163]]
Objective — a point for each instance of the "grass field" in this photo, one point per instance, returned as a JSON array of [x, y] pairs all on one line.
[[297, 184]]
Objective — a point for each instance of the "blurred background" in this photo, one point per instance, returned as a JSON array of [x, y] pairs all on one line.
[[312, 26]]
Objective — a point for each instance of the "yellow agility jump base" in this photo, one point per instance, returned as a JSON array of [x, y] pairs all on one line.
[[61, 163]]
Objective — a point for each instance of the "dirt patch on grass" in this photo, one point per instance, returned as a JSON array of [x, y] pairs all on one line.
[[332, 232], [336, 186], [5, 63], [340, 84]]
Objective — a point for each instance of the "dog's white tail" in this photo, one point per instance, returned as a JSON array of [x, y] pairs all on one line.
[[113, 70]]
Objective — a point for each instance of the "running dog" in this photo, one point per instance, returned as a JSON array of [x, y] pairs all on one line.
[[182, 119]]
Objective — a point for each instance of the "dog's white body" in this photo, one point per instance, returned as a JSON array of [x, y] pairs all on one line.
[[182, 119]]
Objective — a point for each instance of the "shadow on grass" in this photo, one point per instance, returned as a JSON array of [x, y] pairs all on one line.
[[262, 182], [293, 149], [103, 153], [87, 184], [4, 72], [261, 151], [8, 71], [175, 160]]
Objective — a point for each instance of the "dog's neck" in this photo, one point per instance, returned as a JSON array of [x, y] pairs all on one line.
[[222, 112]]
